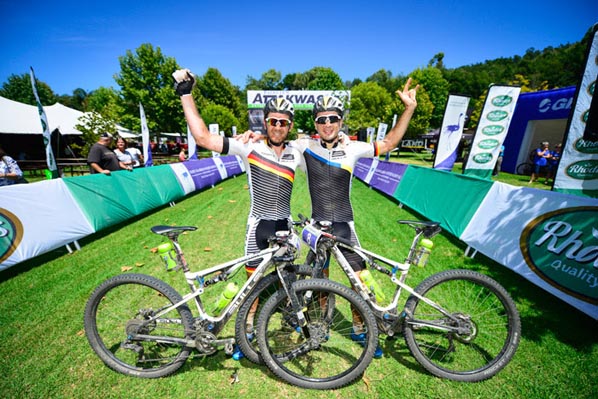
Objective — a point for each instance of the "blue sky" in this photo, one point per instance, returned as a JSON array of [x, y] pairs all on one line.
[[76, 44]]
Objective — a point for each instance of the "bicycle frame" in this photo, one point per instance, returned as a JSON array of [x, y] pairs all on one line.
[[272, 256], [393, 267]]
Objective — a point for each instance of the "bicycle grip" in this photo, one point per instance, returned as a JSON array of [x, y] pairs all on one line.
[[343, 241]]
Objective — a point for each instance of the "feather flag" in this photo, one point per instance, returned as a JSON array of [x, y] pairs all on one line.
[[45, 130]]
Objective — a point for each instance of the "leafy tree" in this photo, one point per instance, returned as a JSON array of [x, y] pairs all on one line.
[[270, 80], [385, 79], [432, 82], [370, 104], [91, 126], [146, 77], [105, 101], [18, 88], [213, 88], [78, 100], [216, 113]]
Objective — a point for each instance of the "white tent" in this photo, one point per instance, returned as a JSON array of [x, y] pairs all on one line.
[[19, 118]]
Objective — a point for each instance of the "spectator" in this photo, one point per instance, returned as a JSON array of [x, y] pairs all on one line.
[[10, 172], [102, 159], [541, 157], [182, 156], [130, 156], [498, 165], [553, 162]]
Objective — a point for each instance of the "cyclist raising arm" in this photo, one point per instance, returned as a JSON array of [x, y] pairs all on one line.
[[270, 166]]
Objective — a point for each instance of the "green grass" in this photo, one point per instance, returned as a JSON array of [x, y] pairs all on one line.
[[44, 352]]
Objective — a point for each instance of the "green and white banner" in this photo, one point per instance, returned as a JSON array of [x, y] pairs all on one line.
[[301, 99], [577, 172], [491, 131], [52, 167]]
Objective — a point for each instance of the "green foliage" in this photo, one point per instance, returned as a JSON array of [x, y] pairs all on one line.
[[370, 105], [18, 88], [146, 78], [91, 126], [215, 113], [270, 80], [432, 82], [105, 101], [78, 100]]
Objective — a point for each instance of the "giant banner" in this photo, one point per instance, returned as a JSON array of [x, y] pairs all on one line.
[[492, 130], [577, 171], [450, 132]]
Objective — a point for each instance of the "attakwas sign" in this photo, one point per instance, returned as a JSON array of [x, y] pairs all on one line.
[[561, 247]]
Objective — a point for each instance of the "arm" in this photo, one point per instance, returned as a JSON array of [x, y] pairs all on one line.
[[98, 169], [395, 135], [14, 172], [184, 82]]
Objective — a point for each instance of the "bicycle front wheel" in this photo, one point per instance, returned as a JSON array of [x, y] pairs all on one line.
[[325, 354], [480, 337], [117, 313]]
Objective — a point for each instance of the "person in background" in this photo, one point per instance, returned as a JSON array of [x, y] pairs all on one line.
[[541, 157], [182, 156], [121, 152], [498, 165], [9, 170], [102, 159], [553, 162]]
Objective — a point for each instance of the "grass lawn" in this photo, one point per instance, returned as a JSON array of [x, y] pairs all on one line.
[[44, 352]]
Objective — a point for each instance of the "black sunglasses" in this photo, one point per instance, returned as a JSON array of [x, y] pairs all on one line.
[[276, 121], [322, 120]]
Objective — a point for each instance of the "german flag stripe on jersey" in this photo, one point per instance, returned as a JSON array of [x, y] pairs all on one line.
[[265, 164]]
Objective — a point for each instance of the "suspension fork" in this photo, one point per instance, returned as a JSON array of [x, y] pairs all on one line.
[[298, 310]]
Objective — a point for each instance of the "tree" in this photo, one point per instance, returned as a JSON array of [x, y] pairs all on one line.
[[385, 79], [146, 77], [105, 101], [215, 113], [91, 126], [432, 82], [370, 104], [270, 80], [18, 88], [216, 89], [78, 100]]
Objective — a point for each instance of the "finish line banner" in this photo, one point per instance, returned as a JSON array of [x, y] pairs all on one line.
[[492, 129]]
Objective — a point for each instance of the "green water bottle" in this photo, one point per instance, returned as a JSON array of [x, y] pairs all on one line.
[[372, 285], [168, 255], [225, 297], [423, 252]]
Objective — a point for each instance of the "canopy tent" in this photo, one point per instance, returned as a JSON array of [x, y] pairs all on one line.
[[21, 129], [539, 116]]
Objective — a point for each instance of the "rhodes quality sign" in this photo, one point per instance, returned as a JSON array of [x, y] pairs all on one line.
[[11, 232], [561, 247]]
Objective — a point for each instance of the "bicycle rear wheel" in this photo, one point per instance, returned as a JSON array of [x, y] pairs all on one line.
[[525, 169], [119, 307], [490, 324], [329, 358]]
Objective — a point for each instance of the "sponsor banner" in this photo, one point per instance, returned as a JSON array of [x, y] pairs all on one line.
[[191, 145], [214, 129], [577, 172], [439, 196], [30, 227], [362, 168], [301, 99], [382, 127], [145, 139], [370, 134], [206, 172], [451, 131], [549, 238], [108, 200], [492, 130], [387, 176]]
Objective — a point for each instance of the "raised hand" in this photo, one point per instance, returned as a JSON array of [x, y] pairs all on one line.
[[184, 81], [408, 96]]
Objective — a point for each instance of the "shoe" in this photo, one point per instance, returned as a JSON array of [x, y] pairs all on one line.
[[237, 354], [361, 339]]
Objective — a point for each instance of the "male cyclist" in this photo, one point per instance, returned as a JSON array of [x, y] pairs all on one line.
[[270, 167]]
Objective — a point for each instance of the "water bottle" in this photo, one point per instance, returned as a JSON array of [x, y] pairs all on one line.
[[225, 297], [423, 252], [372, 285], [168, 255]]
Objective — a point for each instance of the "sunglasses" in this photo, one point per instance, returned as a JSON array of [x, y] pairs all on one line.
[[276, 121], [322, 120]]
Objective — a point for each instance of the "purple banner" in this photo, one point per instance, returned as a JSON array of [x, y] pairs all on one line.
[[383, 176], [209, 171]]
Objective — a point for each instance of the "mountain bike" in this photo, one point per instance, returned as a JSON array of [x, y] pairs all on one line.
[[141, 326], [458, 324]]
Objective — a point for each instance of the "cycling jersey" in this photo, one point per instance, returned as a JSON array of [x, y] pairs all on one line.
[[270, 179], [329, 177]]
